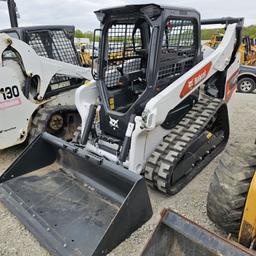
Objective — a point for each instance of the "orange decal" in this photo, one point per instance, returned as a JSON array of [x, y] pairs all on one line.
[[194, 80], [231, 85]]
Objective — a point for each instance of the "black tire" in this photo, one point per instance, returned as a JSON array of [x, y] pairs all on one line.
[[229, 188], [246, 85]]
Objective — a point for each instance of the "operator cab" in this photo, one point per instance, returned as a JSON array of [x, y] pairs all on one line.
[[143, 49]]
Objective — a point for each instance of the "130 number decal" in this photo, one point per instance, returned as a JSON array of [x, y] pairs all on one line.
[[10, 92]]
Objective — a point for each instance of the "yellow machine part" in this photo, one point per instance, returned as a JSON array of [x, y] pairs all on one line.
[[85, 58], [215, 40], [247, 232], [252, 60], [85, 55], [242, 53], [247, 58]]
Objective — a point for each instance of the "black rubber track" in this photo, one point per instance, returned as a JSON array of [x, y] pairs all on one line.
[[40, 122], [229, 187], [162, 163]]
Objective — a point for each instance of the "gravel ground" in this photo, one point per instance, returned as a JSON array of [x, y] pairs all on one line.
[[190, 202]]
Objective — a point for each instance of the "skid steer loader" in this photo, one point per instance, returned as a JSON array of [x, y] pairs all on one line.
[[158, 110], [37, 94], [53, 108]]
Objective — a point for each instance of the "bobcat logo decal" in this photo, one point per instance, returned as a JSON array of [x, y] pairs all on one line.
[[113, 123]]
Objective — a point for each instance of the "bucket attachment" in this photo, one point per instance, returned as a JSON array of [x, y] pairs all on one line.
[[75, 203], [176, 235]]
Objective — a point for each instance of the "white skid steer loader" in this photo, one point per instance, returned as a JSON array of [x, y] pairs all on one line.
[[156, 108], [43, 107], [28, 95]]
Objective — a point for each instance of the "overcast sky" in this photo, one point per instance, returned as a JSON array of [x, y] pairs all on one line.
[[80, 12]]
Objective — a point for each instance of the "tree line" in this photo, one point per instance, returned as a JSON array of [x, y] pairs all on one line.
[[206, 33], [247, 31]]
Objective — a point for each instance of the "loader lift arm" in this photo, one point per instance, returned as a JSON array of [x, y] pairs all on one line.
[[42, 68], [156, 109]]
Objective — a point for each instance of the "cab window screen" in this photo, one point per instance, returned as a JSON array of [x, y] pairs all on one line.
[[178, 49], [123, 44], [54, 44]]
